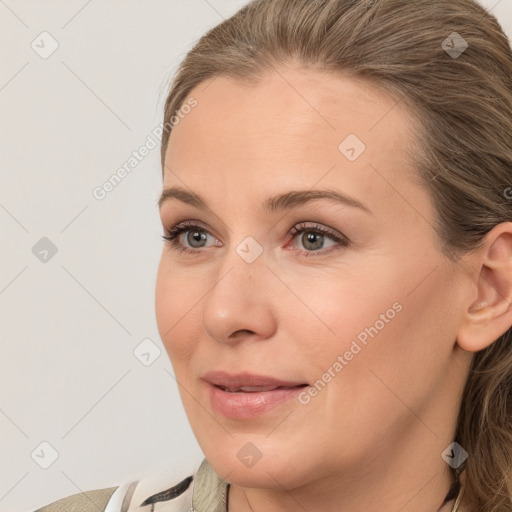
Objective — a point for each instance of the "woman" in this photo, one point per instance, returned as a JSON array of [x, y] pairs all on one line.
[[334, 291]]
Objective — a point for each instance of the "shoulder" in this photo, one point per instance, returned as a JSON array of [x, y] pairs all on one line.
[[158, 492], [82, 502]]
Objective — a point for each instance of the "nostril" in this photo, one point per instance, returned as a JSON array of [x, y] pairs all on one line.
[[240, 332]]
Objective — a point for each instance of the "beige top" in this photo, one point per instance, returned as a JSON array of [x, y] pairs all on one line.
[[203, 491]]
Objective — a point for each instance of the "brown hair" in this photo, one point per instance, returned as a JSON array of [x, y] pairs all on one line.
[[462, 98]]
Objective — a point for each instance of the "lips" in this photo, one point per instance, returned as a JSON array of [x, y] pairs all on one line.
[[249, 389], [247, 382], [246, 396]]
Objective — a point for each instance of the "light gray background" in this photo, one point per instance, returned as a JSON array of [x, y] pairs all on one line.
[[68, 373]]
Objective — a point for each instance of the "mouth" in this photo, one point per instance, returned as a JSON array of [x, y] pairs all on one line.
[[247, 396], [248, 382], [257, 389]]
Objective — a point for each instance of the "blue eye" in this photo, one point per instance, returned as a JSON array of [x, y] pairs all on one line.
[[313, 238]]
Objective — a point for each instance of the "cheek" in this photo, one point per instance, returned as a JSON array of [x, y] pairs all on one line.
[[340, 311], [175, 308], [404, 360], [379, 327]]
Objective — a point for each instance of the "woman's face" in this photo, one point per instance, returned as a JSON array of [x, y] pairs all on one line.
[[364, 313]]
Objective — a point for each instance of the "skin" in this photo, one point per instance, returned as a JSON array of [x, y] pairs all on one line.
[[372, 438]]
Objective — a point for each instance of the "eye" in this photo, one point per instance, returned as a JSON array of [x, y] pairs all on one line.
[[196, 237], [313, 238]]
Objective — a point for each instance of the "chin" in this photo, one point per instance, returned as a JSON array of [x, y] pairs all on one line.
[[250, 461]]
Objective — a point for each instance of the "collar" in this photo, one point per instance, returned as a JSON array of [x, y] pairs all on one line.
[[210, 490]]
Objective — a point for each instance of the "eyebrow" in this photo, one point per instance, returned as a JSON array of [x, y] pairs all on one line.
[[280, 202]]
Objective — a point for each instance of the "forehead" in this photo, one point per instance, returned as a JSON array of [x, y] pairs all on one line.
[[293, 111], [292, 127]]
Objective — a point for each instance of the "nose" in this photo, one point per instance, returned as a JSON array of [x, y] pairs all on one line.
[[239, 304]]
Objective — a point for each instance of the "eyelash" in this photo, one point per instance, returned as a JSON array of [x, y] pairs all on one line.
[[171, 237]]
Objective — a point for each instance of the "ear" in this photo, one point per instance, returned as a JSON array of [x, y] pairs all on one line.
[[490, 314]]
